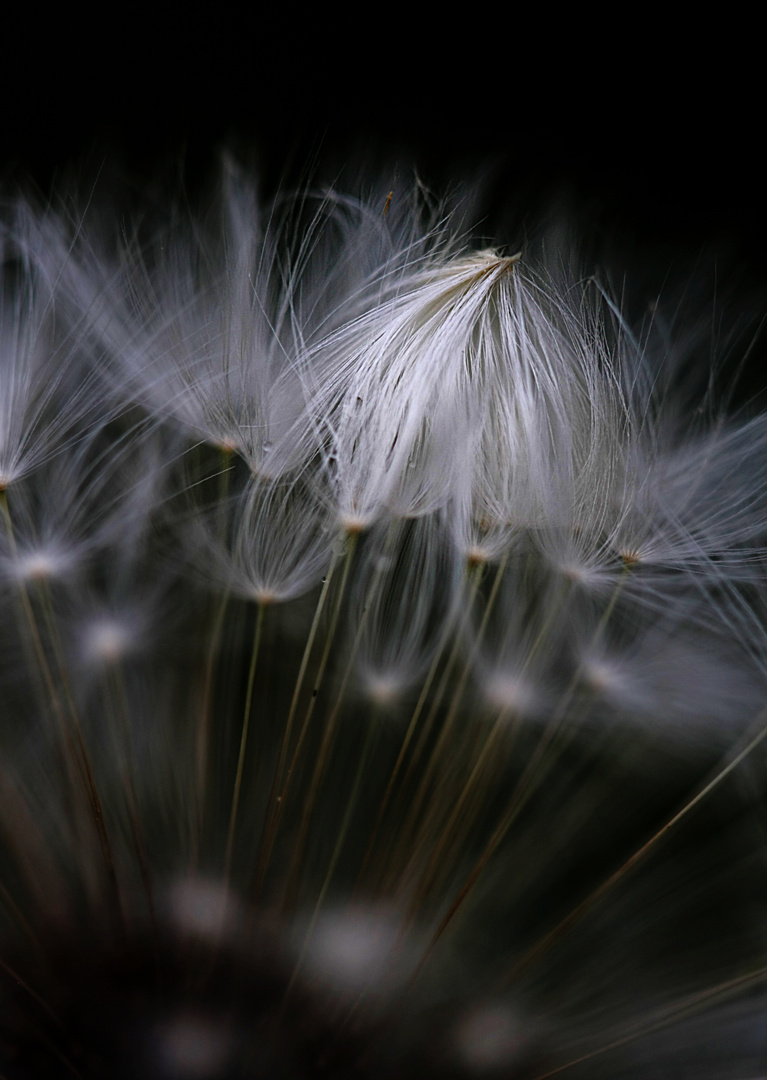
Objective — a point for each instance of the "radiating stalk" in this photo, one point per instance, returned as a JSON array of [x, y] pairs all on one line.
[[323, 755], [282, 797], [261, 608], [351, 804], [76, 755], [202, 739], [274, 805], [683, 1009], [580, 909]]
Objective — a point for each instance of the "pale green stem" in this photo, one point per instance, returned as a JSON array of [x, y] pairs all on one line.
[[447, 727], [274, 806], [681, 1010], [79, 751], [243, 744], [203, 728], [137, 832], [581, 909], [340, 840], [322, 760], [515, 803], [410, 732], [281, 799]]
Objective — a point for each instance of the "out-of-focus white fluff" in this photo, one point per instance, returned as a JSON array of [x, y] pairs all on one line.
[[474, 506]]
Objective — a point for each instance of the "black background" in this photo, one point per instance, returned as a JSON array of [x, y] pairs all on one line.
[[652, 143]]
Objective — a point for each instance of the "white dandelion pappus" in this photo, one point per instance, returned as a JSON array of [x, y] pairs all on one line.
[[280, 543], [198, 330], [47, 393], [405, 592], [395, 396], [442, 456]]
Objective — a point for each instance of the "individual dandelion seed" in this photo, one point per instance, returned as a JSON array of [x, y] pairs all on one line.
[[192, 326], [207, 328], [386, 401], [355, 950], [47, 393], [467, 388], [691, 496], [683, 682], [74, 506], [406, 590], [279, 546]]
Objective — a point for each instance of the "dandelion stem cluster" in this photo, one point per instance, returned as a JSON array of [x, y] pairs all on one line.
[[383, 662]]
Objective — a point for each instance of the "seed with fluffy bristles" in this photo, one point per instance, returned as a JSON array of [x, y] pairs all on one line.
[[469, 388], [405, 592], [279, 546], [47, 393]]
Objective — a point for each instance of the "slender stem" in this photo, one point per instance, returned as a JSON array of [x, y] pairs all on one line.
[[319, 769], [517, 799], [410, 732], [261, 608], [436, 859], [577, 912], [436, 809], [42, 659], [274, 806], [202, 740], [351, 804], [87, 766], [77, 754], [414, 807], [688, 1006], [137, 832], [203, 727], [282, 797]]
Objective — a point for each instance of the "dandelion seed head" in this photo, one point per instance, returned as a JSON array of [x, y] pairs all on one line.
[[107, 641], [354, 524], [491, 1037], [514, 694], [354, 950], [324, 390], [605, 677], [201, 908], [42, 565], [383, 689], [192, 1047], [476, 555]]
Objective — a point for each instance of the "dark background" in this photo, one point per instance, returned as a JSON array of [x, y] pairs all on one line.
[[651, 143]]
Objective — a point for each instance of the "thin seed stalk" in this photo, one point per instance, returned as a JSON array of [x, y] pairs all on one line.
[[281, 799], [351, 804], [409, 733], [202, 740], [202, 750], [261, 609], [411, 820], [77, 758], [580, 910], [517, 799], [319, 770], [437, 808], [274, 805]]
